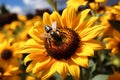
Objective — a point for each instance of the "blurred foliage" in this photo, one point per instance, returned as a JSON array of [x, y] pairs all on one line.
[[115, 24], [3, 10]]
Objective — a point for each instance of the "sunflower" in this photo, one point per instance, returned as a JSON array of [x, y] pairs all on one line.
[[11, 30], [104, 21], [68, 50], [23, 34], [9, 72], [84, 4], [77, 3], [113, 43], [13, 25], [22, 18], [9, 52], [112, 14]]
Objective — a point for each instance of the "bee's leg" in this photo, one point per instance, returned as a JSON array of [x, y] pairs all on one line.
[[49, 42]]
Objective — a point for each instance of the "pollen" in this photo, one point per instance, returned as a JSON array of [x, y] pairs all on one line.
[[6, 54], [64, 48]]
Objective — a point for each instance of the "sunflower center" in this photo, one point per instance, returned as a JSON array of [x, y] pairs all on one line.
[[64, 48], [6, 54]]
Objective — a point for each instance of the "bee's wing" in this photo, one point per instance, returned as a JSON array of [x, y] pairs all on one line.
[[44, 36], [54, 25]]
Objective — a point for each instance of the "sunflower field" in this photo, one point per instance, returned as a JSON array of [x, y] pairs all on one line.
[[79, 42]]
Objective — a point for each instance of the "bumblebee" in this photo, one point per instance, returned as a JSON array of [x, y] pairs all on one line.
[[53, 32]]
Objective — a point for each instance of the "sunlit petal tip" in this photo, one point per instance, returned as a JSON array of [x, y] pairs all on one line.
[[86, 11], [75, 71], [27, 59], [114, 51], [55, 16], [33, 32], [46, 19], [107, 39], [31, 66], [95, 44], [37, 23], [7, 74]]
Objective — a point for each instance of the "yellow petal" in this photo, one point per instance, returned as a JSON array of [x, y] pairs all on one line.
[[107, 39], [94, 44], [50, 72], [35, 34], [33, 50], [56, 17], [62, 68], [68, 17], [91, 33], [75, 71], [116, 35], [101, 1], [33, 42], [63, 17], [13, 69], [85, 51], [71, 15], [33, 56], [46, 19], [111, 44], [31, 46], [114, 51], [86, 24], [91, 21], [82, 60], [7, 74], [42, 64], [44, 71], [40, 74], [27, 59], [81, 17], [31, 66]]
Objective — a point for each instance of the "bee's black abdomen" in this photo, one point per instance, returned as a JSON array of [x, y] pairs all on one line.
[[55, 36]]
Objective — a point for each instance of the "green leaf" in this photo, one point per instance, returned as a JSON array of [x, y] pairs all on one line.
[[53, 4], [100, 77], [87, 73], [92, 65], [69, 77], [57, 76], [115, 24]]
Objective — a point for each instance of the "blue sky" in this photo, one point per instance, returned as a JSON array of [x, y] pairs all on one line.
[[13, 2], [28, 6]]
